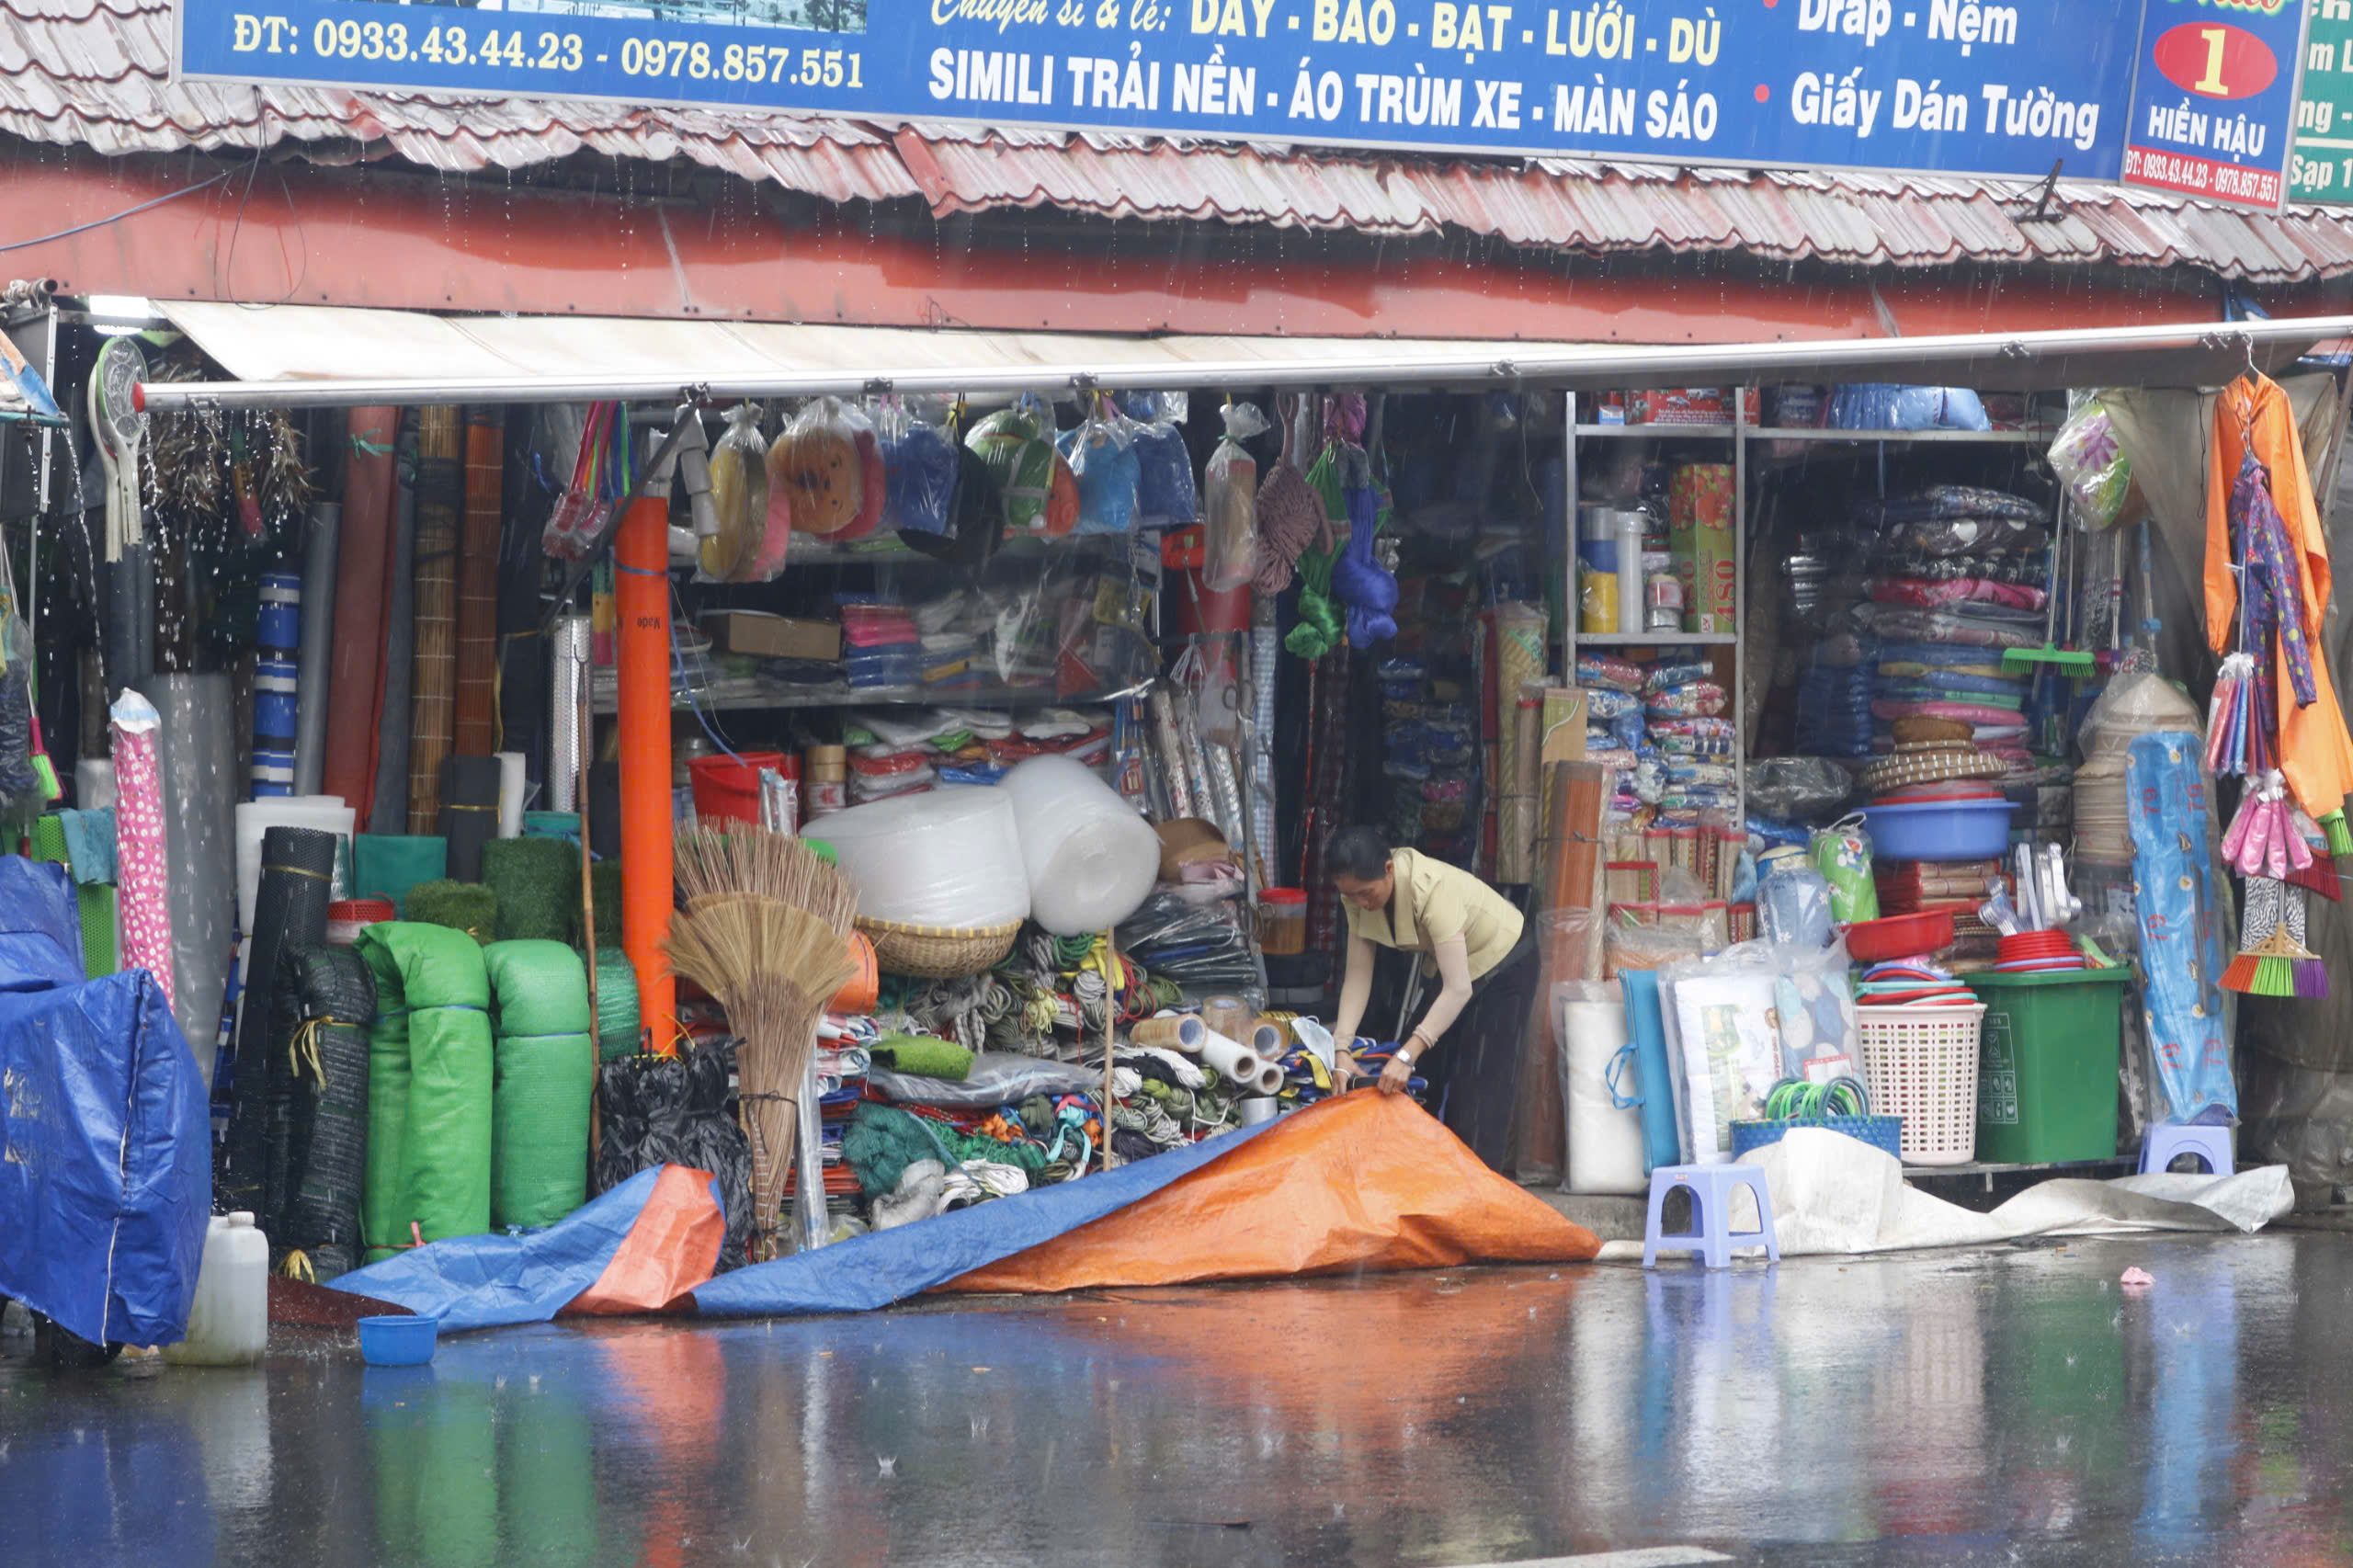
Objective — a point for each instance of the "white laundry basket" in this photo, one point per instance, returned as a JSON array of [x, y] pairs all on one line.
[[1921, 1064]]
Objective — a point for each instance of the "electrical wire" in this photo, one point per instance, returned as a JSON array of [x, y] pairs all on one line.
[[116, 218]]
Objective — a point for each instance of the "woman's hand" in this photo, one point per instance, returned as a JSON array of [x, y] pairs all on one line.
[[1397, 1074], [1346, 1071]]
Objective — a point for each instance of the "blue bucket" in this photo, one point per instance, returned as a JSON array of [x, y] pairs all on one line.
[[402, 1341]]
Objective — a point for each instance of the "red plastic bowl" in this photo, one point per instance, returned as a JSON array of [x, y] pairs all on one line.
[[1899, 936]]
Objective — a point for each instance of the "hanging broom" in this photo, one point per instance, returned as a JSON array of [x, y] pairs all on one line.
[[765, 930], [2272, 959]]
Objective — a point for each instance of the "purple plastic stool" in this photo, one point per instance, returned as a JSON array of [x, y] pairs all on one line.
[[2169, 1140], [1712, 1238]]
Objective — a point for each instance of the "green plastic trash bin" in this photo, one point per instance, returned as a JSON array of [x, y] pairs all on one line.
[[2047, 1065]]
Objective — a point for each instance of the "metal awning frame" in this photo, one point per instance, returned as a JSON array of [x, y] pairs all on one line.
[[2051, 360]]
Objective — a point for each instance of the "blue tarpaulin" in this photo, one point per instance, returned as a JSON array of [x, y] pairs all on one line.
[[490, 1282], [40, 929], [106, 1173], [875, 1270]]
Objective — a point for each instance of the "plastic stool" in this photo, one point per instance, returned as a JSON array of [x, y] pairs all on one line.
[[1711, 1188], [2169, 1140]]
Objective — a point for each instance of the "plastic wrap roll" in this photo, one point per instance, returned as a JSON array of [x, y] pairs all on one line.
[[94, 783], [1231, 1059], [1091, 860], [198, 750], [1605, 1143], [1267, 1040], [948, 858], [469, 812], [1177, 1031], [323, 813], [511, 791], [388, 811], [1228, 1016], [291, 911], [567, 672], [319, 546]]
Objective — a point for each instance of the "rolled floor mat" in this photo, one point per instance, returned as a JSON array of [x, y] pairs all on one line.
[[355, 693], [291, 911], [389, 811], [320, 543], [326, 1003], [544, 1082], [474, 728], [433, 697], [468, 816], [538, 884]]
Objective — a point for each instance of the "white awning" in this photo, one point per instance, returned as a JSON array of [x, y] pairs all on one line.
[[321, 355]]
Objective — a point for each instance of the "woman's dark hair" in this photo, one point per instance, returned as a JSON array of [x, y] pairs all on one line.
[[1359, 854]]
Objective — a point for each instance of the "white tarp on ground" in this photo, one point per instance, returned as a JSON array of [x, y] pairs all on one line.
[[1835, 1194]]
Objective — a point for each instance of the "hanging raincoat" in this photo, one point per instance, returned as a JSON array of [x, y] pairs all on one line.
[[2316, 753]]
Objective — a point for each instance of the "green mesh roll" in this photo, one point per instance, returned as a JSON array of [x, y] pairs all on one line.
[[618, 1021], [461, 906], [386, 865], [545, 1079], [443, 1184], [538, 884]]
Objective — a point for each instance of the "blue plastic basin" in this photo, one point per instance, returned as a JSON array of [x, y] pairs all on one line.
[[1962, 830], [398, 1341]]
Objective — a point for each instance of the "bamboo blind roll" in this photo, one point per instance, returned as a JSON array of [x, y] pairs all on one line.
[[432, 697]]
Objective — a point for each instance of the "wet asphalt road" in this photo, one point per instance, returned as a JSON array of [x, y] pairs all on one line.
[[2012, 1407]]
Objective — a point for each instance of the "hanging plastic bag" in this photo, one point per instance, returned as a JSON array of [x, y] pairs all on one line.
[[739, 496], [1025, 464], [817, 466], [21, 792], [1230, 503], [2089, 460], [1105, 465], [1165, 495], [919, 472]]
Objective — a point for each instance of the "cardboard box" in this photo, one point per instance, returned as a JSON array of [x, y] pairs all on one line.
[[766, 636], [1188, 841]]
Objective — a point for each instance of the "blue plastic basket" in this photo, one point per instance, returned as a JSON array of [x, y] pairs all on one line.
[[1882, 1132]]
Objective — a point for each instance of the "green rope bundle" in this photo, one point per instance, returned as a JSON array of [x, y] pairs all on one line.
[[462, 906], [881, 1142]]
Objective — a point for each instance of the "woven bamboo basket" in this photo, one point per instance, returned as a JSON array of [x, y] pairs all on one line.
[[937, 953]]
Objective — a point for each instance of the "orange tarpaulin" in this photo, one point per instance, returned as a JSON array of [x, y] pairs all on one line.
[[1365, 1182]]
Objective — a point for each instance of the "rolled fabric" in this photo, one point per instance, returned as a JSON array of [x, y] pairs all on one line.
[[432, 979], [469, 812], [364, 575], [522, 654], [277, 682], [386, 865], [142, 845], [567, 675], [254, 821], [513, 790], [320, 542], [389, 812], [544, 1075], [291, 911], [197, 750], [326, 1001]]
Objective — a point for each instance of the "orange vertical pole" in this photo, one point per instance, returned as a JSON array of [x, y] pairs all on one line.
[[642, 595]]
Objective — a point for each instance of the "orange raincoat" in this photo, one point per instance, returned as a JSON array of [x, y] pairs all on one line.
[[2316, 753]]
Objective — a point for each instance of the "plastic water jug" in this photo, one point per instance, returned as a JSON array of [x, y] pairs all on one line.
[[229, 1324]]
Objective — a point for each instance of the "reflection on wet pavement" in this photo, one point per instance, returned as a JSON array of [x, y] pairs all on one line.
[[1942, 1408]]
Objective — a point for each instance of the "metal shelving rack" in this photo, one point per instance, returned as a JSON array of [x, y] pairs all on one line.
[[1735, 434], [1740, 435]]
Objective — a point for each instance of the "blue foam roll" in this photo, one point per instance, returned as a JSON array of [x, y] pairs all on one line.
[[1646, 1026]]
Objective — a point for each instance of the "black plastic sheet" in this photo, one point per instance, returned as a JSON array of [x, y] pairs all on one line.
[[673, 1109], [469, 812], [325, 1000], [289, 911]]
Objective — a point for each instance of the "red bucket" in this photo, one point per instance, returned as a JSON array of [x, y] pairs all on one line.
[[730, 786]]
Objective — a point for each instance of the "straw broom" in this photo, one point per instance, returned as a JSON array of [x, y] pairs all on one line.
[[765, 930]]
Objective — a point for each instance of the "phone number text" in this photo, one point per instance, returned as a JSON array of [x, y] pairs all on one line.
[[521, 48]]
